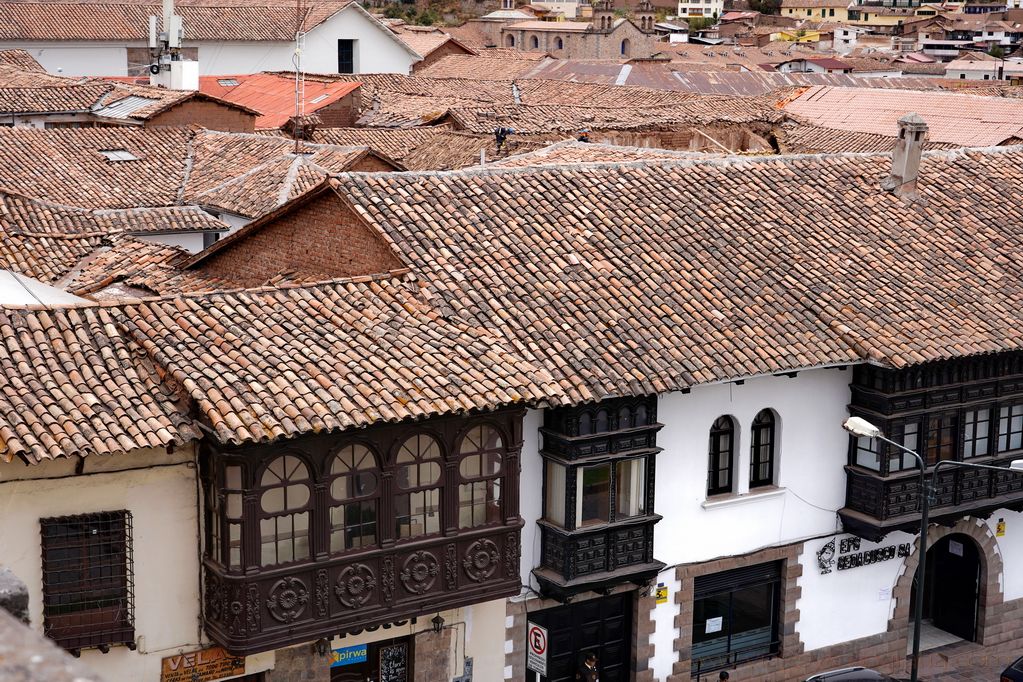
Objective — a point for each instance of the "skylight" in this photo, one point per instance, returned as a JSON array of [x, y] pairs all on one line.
[[118, 155], [314, 100], [227, 82]]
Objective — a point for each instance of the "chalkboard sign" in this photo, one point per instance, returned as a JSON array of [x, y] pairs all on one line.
[[394, 663]]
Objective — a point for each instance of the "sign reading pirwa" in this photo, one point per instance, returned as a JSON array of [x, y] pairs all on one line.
[[204, 665]]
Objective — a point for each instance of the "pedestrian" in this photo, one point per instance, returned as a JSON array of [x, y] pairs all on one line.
[[588, 668]]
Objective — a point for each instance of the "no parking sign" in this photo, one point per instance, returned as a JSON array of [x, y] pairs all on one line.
[[536, 648]]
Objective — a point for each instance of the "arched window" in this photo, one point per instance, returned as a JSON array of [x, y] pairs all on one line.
[[559, 44], [479, 494], [585, 423], [625, 47], [509, 40], [353, 490], [600, 421], [418, 476], [625, 418], [534, 42], [762, 450], [722, 456], [285, 503]]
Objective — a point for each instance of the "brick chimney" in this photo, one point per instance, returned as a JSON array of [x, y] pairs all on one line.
[[906, 157]]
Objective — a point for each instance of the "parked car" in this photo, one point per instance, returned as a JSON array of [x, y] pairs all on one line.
[[857, 674], [1014, 673]]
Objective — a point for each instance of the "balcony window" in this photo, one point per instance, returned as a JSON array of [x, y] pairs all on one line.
[[285, 502], [554, 506], [479, 495], [418, 476], [868, 453], [908, 434], [1010, 427], [593, 495], [941, 441], [353, 489], [630, 488], [977, 433]]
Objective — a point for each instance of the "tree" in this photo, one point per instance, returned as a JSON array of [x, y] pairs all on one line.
[[997, 51], [765, 6]]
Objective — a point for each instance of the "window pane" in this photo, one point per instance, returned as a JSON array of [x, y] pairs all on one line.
[[594, 492], [976, 436], [555, 505], [941, 437], [418, 513], [273, 500], [233, 477], [352, 526], [235, 558], [1010, 427], [630, 488], [867, 453]]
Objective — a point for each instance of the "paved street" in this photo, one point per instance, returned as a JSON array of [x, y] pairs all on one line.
[[966, 661]]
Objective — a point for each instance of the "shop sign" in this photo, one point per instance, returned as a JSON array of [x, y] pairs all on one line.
[[955, 547], [1000, 529], [536, 648], [205, 665], [714, 625], [661, 593], [348, 655], [850, 556]]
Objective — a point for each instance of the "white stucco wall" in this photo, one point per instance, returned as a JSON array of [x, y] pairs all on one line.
[[810, 455], [846, 604], [531, 495], [663, 636], [1010, 546], [76, 58], [189, 241], [162, 501]]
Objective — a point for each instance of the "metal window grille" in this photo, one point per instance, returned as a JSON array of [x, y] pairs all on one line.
[[88, 597]]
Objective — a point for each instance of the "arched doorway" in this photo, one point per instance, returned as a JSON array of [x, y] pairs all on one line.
[[952, 587]]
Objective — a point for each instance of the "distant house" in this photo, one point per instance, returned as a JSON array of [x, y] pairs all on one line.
[[339, 37], [327, 101], [700, 9], [432, 43], [605, 36], [31, 98]]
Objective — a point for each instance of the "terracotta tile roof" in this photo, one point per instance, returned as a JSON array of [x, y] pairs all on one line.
[[71, 385], [116, 21], [173, 165], [484, 66], [21, 60], [426, 39], [268, 185], [558, 26], [547, 92], [809, 139], [637, 295], [272, 95], [47, 241], [573, 152], [550, 119], [327, 339], [966, 120], [432, 148]]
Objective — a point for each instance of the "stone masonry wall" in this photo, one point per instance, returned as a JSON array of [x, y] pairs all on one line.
[[299, 664]]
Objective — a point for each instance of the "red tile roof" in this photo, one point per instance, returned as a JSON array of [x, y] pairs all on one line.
[[273, 94]]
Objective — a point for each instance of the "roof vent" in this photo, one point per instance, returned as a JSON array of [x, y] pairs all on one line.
[[902, 181]]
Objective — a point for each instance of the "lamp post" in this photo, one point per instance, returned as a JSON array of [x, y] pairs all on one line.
[[861, 427]]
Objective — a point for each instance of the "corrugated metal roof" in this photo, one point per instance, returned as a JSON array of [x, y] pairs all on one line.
[[124, 108]]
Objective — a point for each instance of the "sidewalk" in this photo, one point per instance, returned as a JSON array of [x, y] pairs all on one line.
[[966, 661]]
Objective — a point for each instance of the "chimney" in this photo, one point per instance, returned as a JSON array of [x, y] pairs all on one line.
[[906, 158]]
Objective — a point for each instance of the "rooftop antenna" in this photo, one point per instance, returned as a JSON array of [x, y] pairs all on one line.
[[299, 128]]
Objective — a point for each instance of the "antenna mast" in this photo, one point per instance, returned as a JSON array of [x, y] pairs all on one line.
[[299, 128]]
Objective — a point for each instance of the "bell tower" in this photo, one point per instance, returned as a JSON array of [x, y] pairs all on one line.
[[603, 15], [645, 15]]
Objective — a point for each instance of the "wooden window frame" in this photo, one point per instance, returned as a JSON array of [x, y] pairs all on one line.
[[717, 430], [764, 426]]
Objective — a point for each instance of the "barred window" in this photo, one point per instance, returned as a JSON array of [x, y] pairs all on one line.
[[353, 484], [417, 510], [88, 598], [479, 496], [285, 501], [722, 456]]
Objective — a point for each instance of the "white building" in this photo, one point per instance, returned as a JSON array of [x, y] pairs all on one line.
[[701, 9], [339, 37]]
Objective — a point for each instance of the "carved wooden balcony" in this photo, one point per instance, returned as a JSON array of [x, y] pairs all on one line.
[[876, 505], [251, 613]]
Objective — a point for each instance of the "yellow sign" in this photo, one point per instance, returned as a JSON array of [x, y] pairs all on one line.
[[204, 665], [1000, 528], [661, 594]]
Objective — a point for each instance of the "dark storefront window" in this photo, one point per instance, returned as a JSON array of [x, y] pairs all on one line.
[[735, 616]]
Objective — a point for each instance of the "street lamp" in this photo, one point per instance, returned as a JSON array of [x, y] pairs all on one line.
[[858, 426]]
